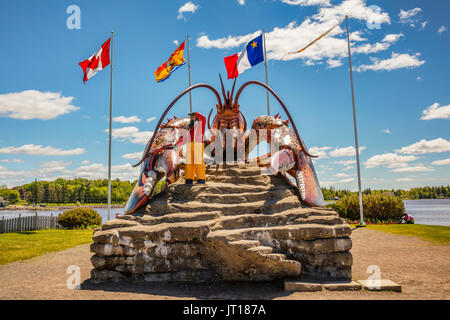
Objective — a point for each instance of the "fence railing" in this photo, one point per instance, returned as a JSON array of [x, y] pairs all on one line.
[[28, 223]]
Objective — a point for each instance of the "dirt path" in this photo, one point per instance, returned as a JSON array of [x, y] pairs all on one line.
[[419, 266]]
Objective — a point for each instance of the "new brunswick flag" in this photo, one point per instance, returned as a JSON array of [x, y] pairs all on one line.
[[175, 61]]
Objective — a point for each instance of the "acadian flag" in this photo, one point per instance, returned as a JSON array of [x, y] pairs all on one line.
[[175, 61], [252, 54], [98, 61]]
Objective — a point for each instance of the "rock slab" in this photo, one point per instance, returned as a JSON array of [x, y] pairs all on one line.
[[241, 225], [380, 285]]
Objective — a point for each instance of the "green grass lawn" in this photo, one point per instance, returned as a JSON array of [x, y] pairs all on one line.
[[29, 244], [435, 234]]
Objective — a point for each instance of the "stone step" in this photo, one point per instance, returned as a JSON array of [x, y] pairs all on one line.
[[191, 192], [288, 217], [252, 180], [245, 196], [299, 232], [141, 236], [232, 165], [275, 256], [246, 244], [162, 207], [261, 249], [178, 217], [252, 171]]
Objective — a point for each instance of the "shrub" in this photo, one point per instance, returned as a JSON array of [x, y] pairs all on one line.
[[377, 208], [80, 218]]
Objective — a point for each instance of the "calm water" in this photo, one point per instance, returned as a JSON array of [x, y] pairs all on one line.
[[14, 213], [431, 212]]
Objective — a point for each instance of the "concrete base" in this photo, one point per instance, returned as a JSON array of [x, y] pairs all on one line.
[[301, 286], [342, 286], [382, 285]]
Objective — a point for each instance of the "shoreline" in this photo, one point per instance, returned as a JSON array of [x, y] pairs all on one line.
[[50, 208]]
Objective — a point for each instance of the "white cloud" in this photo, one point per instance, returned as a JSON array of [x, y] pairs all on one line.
[[442, 29], [131, 134], [408, 16], [241, 2], [341, 175], [319, 151], [393, 37], [122, 119], [39, 150], [150, 119], [11, 161], [100, 171], [345, 152], [344, 162], [424, 146], [334, 63], [52, 164], [306, 2], [424, 24], [187, 7], [227, 42], [391, 160], [45, 171], [293, 36], [387, 131], [357, 36], [443, 162], [133, 156], [175, 42], [32, 104], [404, 180], [356, 9], [413, 169], [85, 162], [397, 61], [6, 173], [436, 112]]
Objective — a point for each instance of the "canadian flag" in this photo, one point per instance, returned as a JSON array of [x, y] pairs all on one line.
[[96, 62]]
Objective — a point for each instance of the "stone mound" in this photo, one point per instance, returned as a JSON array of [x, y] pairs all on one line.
[[240, 225]]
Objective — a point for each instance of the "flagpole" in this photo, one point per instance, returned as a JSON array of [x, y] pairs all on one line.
[[189, 71], [265, 64], [110, 130], [361, 213]]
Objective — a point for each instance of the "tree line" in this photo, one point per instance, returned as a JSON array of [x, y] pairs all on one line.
[[73, 191], [96, 191], [414, 193]]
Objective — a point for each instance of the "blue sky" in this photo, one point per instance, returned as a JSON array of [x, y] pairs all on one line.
[[52, 125]]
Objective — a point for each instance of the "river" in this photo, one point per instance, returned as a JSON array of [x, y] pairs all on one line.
[[426, 211], [15, 213], [429, 211]]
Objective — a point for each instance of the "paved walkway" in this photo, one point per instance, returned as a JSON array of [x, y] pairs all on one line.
[[419, 266]]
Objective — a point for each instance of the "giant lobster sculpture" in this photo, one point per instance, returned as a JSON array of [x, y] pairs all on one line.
[[163, 153]]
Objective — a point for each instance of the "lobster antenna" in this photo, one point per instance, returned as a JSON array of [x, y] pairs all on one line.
[[232, 90], [223, 88]]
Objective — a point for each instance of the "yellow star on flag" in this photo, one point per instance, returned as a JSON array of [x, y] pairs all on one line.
[[254, 44]]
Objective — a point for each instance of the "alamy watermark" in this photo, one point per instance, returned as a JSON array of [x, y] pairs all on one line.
[[371, 24], [74, 280], [74, 20], [374, 280]]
